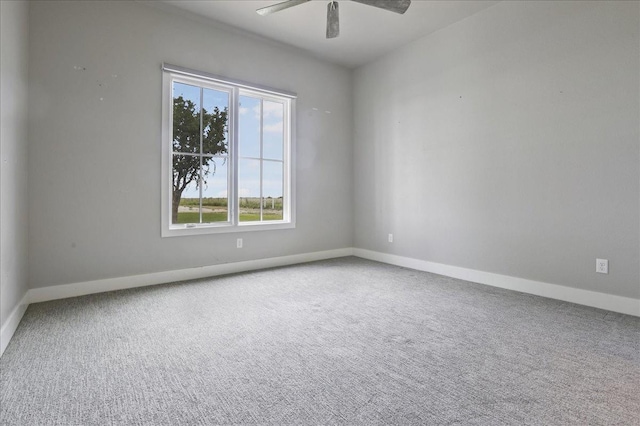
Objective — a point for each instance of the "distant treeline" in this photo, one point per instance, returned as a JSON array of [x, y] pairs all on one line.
[[246, 202]]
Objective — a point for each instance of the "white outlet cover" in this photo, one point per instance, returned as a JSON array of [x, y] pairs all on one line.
[[602, 266]]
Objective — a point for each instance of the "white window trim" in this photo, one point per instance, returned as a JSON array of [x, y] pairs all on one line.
[[171, 73]]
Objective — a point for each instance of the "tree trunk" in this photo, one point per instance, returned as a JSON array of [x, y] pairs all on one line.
[[174, 206]]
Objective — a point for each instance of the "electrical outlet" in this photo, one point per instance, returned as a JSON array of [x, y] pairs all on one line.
[[602, 266], [239, 243], [390, 238]]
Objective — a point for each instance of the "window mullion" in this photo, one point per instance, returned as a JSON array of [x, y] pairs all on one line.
[[200, 174], [234, 152], [288, 157], [261, 156]]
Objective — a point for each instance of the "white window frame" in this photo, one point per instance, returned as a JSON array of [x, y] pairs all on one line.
[[171, 73]]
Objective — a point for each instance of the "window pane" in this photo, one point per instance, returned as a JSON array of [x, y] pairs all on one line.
[[185, 206], [249, 127], [186, 118], [215, 122], [272, 190], [273, 129], [215, 188], [249, 189]]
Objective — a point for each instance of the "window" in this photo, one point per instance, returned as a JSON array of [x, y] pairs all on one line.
[[227, 154]]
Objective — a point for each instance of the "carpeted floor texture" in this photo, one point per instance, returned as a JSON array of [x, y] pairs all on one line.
[[344, 341]]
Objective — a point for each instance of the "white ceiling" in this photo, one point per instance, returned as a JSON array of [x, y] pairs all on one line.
[[366, 32]]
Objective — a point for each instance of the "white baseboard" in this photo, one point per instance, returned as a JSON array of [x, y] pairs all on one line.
[[10, 326], [63, 291], [610, 302]]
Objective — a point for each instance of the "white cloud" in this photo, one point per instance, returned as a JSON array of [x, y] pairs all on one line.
[[270, 110], [274, 128]]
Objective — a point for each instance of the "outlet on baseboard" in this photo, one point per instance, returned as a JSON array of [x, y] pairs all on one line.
[[239, 243], [390, 238], [602, 266]]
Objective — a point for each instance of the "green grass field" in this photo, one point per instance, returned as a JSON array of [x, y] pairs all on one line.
[[249, 210], [246, 202], [194, 217]]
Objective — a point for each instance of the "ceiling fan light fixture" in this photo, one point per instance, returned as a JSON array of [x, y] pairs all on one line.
[[333, 20]]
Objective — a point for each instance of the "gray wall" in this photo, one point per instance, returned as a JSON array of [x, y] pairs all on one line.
[[94, 183], [508, 143], [13, 153]]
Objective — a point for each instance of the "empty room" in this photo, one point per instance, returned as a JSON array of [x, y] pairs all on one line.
[[292, 212]]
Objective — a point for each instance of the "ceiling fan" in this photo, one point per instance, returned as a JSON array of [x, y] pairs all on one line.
[[333, 20]]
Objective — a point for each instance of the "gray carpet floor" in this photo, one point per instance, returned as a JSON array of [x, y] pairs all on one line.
[[343, 341]]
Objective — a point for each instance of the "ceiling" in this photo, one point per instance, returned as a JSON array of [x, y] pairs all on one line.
[[366, 32]]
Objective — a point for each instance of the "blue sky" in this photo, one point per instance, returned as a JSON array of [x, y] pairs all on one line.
[[249, 145]]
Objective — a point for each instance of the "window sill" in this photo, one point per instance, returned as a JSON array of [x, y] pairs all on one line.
[[177, 231]]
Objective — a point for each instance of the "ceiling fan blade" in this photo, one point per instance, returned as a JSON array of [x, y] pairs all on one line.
[[279, 6], [398, 6], [333, 20]]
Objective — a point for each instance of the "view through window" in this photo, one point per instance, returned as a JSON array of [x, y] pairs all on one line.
[[230, 154]]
